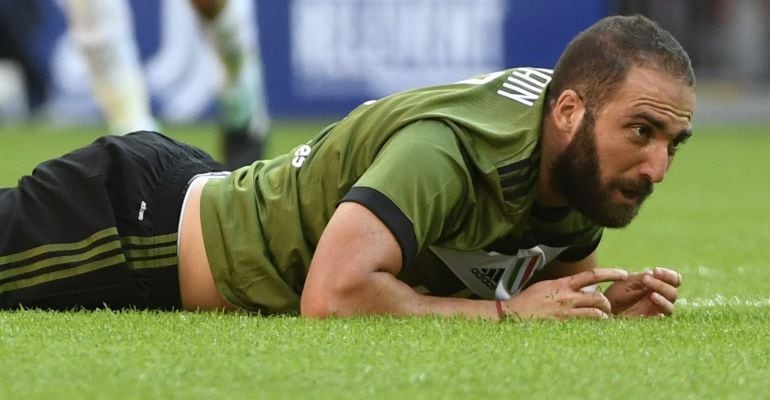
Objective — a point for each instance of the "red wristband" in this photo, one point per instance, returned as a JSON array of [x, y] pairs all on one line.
[[500, 312]]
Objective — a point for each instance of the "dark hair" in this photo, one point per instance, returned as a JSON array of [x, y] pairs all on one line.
[[596, 62]]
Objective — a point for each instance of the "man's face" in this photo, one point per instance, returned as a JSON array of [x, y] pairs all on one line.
[[616, 155]]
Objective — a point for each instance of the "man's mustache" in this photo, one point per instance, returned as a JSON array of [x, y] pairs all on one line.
[[642, 187]]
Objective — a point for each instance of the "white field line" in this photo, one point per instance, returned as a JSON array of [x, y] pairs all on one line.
[[721, 301]]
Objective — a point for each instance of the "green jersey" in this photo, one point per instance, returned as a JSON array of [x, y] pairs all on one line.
[[451, 170]]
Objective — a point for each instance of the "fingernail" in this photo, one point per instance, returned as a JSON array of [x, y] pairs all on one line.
[[590, 288]]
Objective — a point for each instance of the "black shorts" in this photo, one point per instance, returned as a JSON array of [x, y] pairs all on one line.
[[98, 227]]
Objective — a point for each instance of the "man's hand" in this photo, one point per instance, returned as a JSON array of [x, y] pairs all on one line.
[[563, 298], [645, 294]]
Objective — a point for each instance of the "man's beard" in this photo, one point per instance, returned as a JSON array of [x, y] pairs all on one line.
[[575, 175]]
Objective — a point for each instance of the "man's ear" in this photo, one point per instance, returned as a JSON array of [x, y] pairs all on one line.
[[568, 110]]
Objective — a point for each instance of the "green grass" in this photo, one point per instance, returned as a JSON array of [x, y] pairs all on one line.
[[709, 219], [716, 353]]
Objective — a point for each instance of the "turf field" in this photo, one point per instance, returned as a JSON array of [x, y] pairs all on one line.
[[710, 219]]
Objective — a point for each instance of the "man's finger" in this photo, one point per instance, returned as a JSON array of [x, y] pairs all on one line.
[[664, 288], [593, 300], [597, 275], [587, 312], [665, 306], [668, 275]]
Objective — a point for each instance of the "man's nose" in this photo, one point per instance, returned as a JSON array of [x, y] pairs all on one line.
[[656, 163]]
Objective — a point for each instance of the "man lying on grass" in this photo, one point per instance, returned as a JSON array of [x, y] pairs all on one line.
[[483, 198]]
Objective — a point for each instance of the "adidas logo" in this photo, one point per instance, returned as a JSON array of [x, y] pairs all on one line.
[[488, 276]]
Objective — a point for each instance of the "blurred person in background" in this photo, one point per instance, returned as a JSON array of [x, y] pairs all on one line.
[[103, 31], [18, 27]]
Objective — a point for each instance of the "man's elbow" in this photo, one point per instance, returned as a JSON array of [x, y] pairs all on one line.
[[321, 303], [316, 307], [340, 300]]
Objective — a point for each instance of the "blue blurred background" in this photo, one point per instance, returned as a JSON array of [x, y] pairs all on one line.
[[323, 57]]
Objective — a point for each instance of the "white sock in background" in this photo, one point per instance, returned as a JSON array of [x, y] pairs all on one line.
[[235, 36], [103, 31]]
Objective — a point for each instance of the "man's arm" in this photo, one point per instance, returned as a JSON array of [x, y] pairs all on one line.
[[354, 269]]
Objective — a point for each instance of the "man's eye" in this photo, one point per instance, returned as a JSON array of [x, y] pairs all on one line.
[[675, 145], [672, 148], [643, 131]]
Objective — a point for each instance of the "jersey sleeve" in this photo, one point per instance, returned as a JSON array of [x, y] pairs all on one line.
[[414, 185]]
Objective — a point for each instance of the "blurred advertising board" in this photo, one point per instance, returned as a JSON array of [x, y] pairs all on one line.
[[321, 57]]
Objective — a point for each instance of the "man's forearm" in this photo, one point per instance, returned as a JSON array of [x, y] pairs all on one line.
[[383, 294]]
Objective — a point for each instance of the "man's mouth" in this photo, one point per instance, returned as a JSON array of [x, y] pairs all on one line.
[[636, 192], [633, 195]]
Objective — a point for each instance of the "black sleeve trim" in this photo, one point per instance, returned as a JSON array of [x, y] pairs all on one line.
[[398, 224], [573, 254]]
